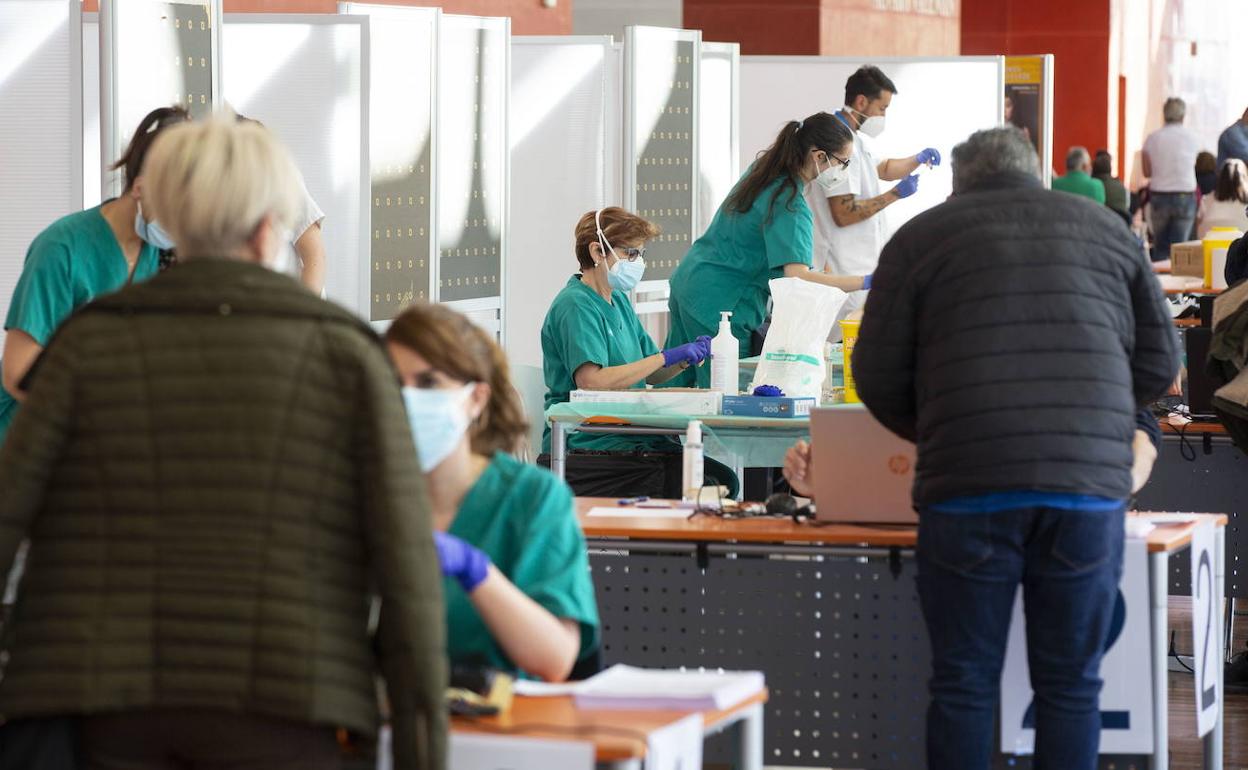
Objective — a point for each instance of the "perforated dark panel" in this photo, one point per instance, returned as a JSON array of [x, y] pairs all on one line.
[[665, 172], [1216, 482], [840, 639], [839, 636]]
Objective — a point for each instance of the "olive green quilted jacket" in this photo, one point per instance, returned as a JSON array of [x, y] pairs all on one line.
[[215, 472]]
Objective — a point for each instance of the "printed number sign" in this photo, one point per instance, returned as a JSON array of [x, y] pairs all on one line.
[[1206, 629], [1126, 698]]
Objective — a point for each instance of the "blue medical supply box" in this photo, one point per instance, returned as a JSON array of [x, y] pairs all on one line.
[[767, 406]]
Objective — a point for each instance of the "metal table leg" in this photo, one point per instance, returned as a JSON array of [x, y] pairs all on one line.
[[558, 449], [751, 739], [1158, 569], [1213, 741], [1229, 650]]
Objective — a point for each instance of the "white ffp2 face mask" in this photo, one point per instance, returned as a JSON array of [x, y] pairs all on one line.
[[871, 125], [831, 177]]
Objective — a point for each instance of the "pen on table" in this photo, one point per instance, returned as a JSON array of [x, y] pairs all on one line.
[[632, 500]]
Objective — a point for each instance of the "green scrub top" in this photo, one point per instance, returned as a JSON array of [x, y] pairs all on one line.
[[76, 259], [583, 328], [729, 266], [524, 519]]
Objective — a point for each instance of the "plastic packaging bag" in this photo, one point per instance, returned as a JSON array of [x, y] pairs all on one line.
[[802, 315]]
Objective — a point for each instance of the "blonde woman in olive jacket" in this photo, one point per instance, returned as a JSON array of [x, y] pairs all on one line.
[[215, 472]]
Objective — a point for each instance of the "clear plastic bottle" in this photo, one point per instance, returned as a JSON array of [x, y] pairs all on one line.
[[725, 353], [691, 469]]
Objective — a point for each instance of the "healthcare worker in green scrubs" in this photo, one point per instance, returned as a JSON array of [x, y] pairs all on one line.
[[517, 590], [79, 257], [592, 339], [763, 230]]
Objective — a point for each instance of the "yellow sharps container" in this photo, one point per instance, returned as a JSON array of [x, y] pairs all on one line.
[[849, 337]]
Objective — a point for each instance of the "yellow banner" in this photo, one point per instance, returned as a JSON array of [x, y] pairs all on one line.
[[1024, 70]]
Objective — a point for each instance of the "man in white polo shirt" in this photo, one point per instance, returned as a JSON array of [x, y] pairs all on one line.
[[849, 231], [1169, 162]]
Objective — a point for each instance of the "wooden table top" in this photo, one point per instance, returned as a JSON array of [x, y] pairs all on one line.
[[1194, 428], [617, 735], [766, 529]]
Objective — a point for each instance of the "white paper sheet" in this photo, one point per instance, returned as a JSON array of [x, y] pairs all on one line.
[[534, 689], [634, 511], [677, 746], [502, 752]]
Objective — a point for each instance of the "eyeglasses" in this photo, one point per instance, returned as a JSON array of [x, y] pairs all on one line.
[[630, 254], [843, 161]]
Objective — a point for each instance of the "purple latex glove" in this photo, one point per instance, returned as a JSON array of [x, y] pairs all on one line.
[[459, 560], [866, 281], [690, 353], [908, 186], [930, 156]]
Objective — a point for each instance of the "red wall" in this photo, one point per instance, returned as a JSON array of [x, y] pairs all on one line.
[[528, 17], [830, 27], [1077, 33]]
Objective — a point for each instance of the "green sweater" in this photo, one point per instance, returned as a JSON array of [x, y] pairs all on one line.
[[1080, 183], [215, 472]]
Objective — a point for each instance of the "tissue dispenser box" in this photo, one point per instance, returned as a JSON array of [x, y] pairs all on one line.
[[666, 401], [767, 406], [1188, 258]]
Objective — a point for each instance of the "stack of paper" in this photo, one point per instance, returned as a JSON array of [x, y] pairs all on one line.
[[628, 688]]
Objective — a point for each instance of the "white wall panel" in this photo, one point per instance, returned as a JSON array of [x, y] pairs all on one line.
[[92, 164], [40, 126], [939, 103], [559, 170], [402, 86], [472, 165], [719, 128], [154, 53], [306, 79]]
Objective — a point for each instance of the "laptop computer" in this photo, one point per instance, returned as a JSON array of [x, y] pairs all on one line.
[[862, 473]]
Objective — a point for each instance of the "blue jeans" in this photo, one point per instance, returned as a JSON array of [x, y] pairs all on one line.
[[969, 567], [1171, 217]]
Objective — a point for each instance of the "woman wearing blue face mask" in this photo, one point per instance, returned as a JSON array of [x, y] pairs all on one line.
[[80, 257], [591, 338], [518, 592]]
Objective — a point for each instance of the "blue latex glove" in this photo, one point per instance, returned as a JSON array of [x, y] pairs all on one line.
[[459, 560], [908, 186], [691, 353], [930, 156], [866, 281]]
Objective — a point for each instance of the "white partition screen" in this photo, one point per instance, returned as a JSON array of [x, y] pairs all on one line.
[[40, 126], [154, 53], [92, 162], [661, 140], [306, 79], [719, 128], [403, 44], [776, 89], [472, 163], [559, 170]]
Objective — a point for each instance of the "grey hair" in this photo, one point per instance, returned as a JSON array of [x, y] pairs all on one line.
[[1075, 158], [1174, 110], [990, 152]]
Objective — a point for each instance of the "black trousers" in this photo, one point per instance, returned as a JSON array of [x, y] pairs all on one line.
[[201, 739]]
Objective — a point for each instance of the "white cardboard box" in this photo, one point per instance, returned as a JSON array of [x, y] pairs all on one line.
[[668, 401]]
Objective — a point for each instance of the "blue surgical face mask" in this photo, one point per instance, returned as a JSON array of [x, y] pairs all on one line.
[[624, 275], [151, 232], [438, 421]]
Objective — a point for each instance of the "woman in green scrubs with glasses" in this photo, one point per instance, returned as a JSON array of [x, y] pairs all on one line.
[[763, 230], [79, 257], [517, 587]]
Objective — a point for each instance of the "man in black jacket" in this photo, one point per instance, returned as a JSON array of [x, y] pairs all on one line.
[[1013, 333]]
